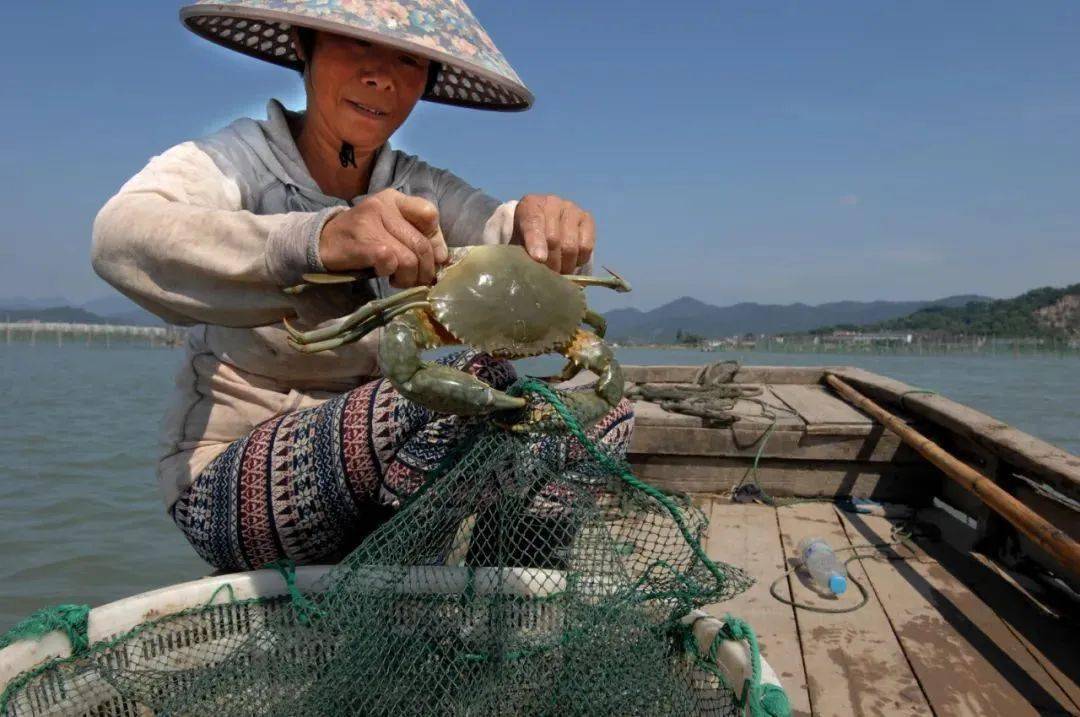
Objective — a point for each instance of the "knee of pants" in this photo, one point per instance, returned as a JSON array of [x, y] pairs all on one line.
[[615, 428]]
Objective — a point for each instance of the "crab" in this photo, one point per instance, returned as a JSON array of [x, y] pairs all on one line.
[[496, 299]]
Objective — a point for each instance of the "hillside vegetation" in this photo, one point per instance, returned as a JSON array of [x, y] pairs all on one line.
[[1039, 312], [113, 309], [58, 314]]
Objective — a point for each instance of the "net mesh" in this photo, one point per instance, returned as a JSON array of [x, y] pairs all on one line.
[[532, 577]]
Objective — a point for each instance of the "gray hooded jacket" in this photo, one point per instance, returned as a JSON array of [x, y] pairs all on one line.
[[208, 233]]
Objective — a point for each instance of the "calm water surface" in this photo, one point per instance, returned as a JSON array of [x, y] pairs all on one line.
[[80, 517]]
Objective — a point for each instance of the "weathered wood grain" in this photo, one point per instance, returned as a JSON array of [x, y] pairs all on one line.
[[748, 536], [854, 663], [762, 410], [745, 374], [879, 447], [967, 659], [1051, 636], [808, 479], [1021, 517], [816, 405]]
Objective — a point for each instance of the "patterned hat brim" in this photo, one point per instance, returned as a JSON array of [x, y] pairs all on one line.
[[266, 34]]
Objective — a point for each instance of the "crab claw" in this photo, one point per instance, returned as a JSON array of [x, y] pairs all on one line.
[[586, 351], [443, 389]]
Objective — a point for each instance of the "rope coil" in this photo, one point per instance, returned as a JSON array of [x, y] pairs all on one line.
[[72, 620]]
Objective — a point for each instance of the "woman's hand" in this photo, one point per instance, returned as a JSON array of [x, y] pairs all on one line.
[[554, 231], [396, 235]]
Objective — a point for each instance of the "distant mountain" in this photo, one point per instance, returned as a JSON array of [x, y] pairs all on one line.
[[692, 316], [110, 305], [59, 314], [112, 309], [1047, 311]]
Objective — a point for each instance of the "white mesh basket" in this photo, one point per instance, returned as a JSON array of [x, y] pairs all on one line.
[[182, 644]]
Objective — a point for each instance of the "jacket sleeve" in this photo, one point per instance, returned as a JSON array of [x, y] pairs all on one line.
[[177, 241], [469, 216]]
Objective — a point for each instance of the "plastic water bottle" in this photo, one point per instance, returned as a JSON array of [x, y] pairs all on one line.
[[826, 571]]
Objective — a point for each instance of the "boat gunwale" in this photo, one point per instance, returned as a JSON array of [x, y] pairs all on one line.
[[1026, 452]]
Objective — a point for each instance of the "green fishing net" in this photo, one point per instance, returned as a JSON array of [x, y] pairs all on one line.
[[525, 577]]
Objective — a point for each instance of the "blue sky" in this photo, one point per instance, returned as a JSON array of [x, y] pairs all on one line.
[[732, 151]]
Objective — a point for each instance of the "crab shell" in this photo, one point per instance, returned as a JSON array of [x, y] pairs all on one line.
[[501, 301]]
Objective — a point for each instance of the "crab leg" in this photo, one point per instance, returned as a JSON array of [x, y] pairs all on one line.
[[573, 368], [595, 320], [588, 351], [374, 309], [614, 281], [442, 388], [359, 332]]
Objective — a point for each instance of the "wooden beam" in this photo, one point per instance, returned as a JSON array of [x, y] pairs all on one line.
[[881, 447], [1049, 537], [1031, 456], [745, 374], [785, 478]]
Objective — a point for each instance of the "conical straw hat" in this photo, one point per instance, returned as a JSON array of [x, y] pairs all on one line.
[[473, 72]]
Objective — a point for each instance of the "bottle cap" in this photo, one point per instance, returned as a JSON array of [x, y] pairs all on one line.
[[837, 583]]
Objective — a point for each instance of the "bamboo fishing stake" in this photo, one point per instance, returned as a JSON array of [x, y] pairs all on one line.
[[1054, 540]]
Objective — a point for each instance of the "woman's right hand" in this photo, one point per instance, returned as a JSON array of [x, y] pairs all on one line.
[[396, 235]]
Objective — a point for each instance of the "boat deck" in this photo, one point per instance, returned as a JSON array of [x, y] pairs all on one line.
[[944, 632], [806, 441]]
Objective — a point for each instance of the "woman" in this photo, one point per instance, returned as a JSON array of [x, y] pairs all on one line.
[[272, 453]]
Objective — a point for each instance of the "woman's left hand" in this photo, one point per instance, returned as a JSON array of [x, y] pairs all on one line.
[[554, 231]]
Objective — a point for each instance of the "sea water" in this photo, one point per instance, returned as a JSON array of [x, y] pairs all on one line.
[[80, 516]]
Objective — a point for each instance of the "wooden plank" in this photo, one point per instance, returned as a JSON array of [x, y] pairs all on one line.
[[1032, 456], [967, 659], [745, 374], [767, 409], [1049, 635], [880, 447], [748, 536], [854, 663], [818, 407], [661, 374], [1057, 513], [758, 411], [840, 429], [780, 374], [808, 479]]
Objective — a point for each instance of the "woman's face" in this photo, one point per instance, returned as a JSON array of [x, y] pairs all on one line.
[[362, 92]]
